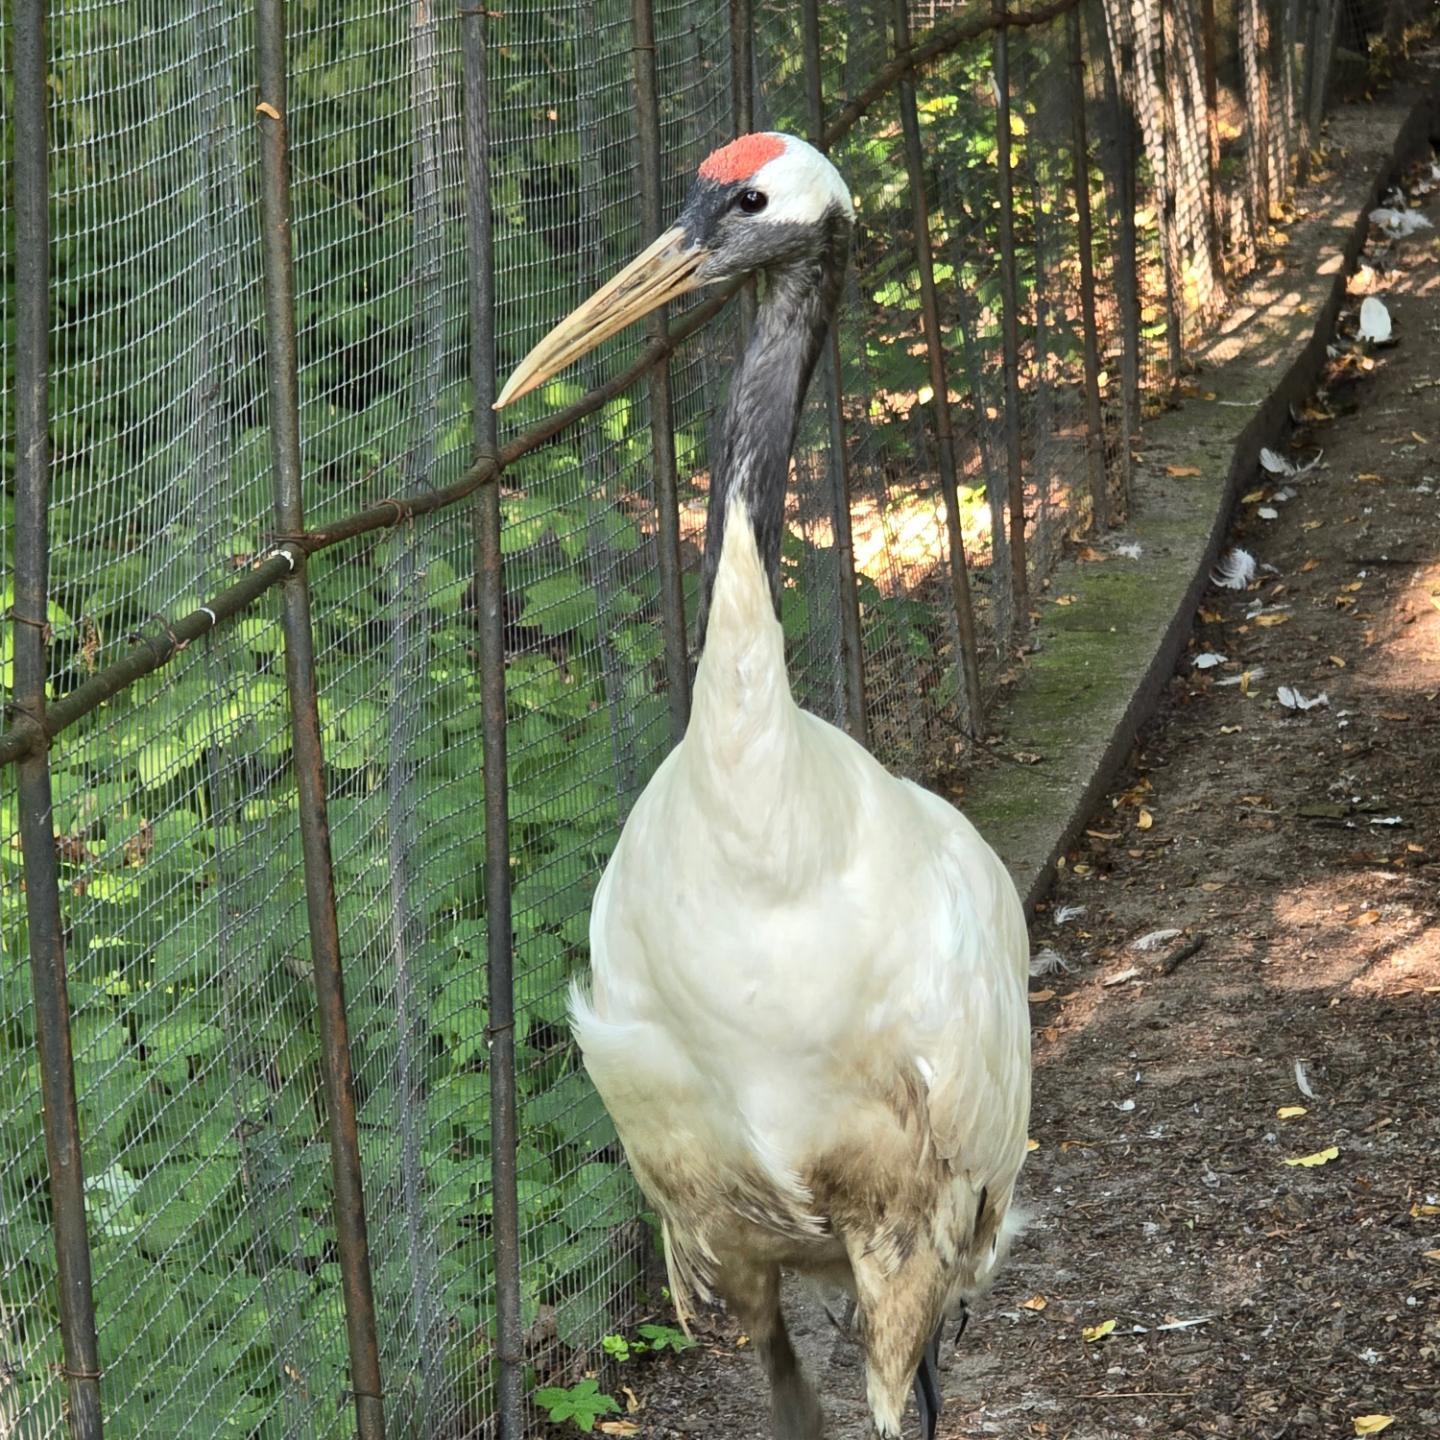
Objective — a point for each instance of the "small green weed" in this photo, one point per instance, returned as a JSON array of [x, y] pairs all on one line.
[[583, 1403]]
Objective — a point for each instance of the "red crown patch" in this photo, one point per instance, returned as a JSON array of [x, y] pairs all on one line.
[[741, 158]]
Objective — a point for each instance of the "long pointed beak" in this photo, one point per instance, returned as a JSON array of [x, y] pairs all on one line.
[[663, 272]]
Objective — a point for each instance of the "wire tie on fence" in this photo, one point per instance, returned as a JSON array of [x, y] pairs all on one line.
[[279, 551], [43, 626], [176, 643], [493, 1031], [76, 1374], [402, 511]]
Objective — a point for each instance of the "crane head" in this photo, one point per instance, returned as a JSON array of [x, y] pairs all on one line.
[[759, 203]]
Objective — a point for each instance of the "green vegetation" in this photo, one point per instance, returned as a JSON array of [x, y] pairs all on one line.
[[196, 1052]]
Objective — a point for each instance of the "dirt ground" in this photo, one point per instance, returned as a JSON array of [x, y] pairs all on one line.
[[1176, 1087]]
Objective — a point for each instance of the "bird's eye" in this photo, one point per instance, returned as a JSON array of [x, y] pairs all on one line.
[[752, 202]]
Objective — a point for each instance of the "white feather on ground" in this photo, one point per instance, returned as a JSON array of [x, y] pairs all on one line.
[[1049, 962], [1235, 571], [1155, 939], [1292, 699], [1375, 326], [1399, 223]]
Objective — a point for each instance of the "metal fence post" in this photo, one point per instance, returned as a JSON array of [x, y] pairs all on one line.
[[309, 756], [1253, 41], [662, 417], [742, 118], [1119, 104], [31, 642], [490, 607], [1212, 131], [1010, 301], [1167, 183], [939, 383], [1094, 421], [852, 649]]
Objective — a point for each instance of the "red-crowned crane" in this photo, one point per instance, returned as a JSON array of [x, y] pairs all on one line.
[[808, 1014]]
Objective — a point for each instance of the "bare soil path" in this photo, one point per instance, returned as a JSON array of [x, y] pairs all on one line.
[[1300, 850]]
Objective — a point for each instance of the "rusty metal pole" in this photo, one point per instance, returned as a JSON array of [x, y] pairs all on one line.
[[309, 757], [31, 644], [662, 415], [490, 608], [852, 649], [1254, 41], [1216, 218], [1010, 300], [1094, 419], [1168, 189], [940, 386], [1119, 104], [742, 118]]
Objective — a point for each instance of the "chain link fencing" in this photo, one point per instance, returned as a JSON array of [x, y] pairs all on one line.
[[221, 1290]]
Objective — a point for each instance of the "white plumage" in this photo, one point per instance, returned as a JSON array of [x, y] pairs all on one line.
[[807, 1013], [807, 974]]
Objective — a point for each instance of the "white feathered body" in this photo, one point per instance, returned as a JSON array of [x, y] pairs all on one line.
[[808, 1016]]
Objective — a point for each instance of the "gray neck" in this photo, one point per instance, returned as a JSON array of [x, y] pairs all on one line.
[[763, 411]]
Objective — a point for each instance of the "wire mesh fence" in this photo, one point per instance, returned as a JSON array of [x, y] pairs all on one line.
[[166, 919]]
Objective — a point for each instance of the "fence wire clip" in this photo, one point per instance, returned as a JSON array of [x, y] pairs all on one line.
[[493, 1032], [176, 643], [71, 1373], [43, 626], [278, 552], [402, 511]]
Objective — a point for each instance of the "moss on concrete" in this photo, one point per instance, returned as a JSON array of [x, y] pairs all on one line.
[[1102, 657]]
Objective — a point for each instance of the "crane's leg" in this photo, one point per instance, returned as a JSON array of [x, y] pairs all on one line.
[[752, 1291], [927, 1384]]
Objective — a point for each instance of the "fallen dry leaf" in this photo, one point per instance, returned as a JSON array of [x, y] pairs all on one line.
[[1038, 997], [1144, 820], [1366, 917], [1032, 1145], [1311, 564], [1092, 1333], [1230, 729], [1253, 496], [1289, 1112], [1320, 1157], [618, 1427], [1035, 1302], [1431, 1254], [1423, 1212], [1182, 471], [1268, 620], [1373, 1424]]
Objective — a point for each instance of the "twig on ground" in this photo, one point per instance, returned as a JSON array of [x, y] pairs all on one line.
[[1176, 958]]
